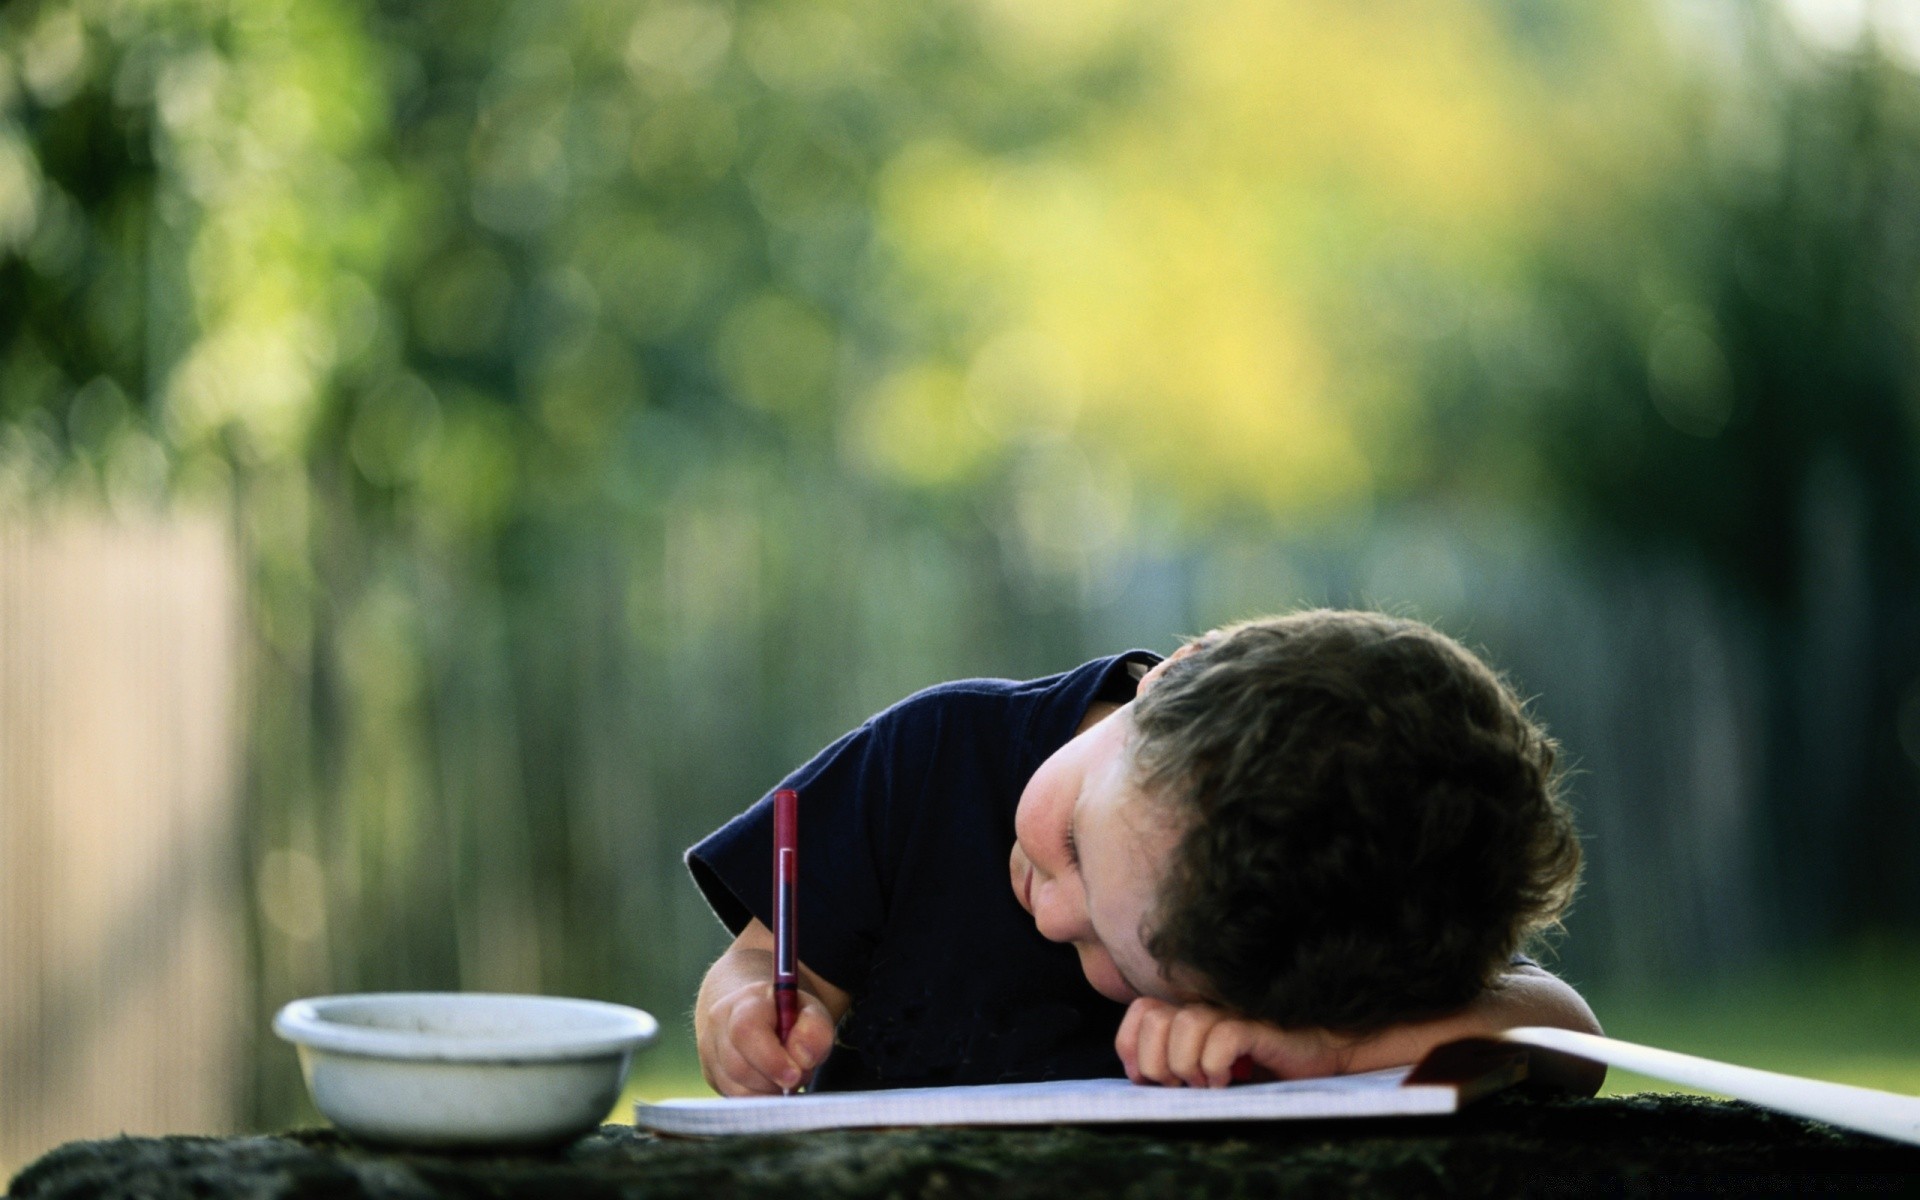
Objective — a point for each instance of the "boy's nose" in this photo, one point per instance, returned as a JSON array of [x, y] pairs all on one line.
[[1020, 872], [1057, 911]]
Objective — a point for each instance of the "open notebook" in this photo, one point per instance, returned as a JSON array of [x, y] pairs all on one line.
[[1869, 1110], [1449, 1077]]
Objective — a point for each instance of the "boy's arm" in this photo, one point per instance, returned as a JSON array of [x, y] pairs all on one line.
[[734, 1021], [1198, 1044], [1524, 995]]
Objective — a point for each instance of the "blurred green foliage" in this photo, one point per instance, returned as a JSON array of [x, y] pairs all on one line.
[[1740, 391], [617, 400], [1846, 1016]]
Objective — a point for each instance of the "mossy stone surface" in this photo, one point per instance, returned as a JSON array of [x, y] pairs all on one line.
[[1648, 1145]]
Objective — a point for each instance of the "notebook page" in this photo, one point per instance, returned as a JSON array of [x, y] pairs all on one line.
[[1079, 1101]]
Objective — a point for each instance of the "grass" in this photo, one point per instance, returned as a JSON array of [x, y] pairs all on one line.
[[668, 1070], [1853, 1018]]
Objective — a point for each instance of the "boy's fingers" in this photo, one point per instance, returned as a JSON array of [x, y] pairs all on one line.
[[812, 1037], [734, 1076], [753, 1076], [718, 1061], [1145, 1022], [739, 1077], [1152, 1043], [1126, 1043], [752, 1035], [1185, 1039], [1225, 1045]]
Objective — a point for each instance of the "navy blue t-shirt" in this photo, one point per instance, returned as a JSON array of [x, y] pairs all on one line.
[[905, 897]]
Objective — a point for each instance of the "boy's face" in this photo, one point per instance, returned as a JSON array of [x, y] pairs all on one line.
[[1087, 859]]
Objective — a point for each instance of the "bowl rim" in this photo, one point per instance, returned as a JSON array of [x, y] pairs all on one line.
[[305, 1024]]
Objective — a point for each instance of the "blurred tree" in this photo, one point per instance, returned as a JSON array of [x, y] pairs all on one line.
[[618, 399], [519, 337], [1741, 383]]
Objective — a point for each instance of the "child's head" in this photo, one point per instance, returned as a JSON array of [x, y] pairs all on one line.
[[1368, 822]]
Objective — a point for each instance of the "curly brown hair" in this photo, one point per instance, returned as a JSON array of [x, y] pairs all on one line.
[[1371, 824]]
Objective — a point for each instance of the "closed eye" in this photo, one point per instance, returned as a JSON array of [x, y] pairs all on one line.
[[1073, 849]]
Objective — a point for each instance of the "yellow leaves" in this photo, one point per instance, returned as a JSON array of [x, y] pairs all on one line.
[[1022, 383], [1156, 298], [1419, 110], [1198, 366], [938, 211], [916, 426], [1058, 37], [1156, 230], [935, 426], [1202, 259]]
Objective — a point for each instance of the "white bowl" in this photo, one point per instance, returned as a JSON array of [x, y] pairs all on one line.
[[464, 1068]]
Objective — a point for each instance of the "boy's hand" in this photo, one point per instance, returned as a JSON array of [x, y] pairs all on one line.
[[740, 1049], [735, 1018], [1196, 1045]]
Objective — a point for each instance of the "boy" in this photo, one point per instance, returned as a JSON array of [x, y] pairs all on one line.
[[1315, 840]]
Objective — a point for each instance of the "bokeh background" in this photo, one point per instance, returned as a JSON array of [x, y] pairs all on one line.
[[454, 454]]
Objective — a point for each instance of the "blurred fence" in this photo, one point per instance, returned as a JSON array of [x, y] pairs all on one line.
[[121, 981], [501, 782], [1647, 674], [1723, 829], [517, 782]]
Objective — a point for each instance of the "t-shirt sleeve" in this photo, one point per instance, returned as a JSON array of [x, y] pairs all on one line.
[[843, 811]]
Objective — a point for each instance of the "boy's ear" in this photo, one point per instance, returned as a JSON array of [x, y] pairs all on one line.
[[1160, 668]]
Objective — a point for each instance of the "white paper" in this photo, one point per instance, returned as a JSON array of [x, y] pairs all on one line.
[[1078, 1101]]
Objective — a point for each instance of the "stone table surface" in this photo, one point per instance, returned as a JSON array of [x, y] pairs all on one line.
[[1510, 1145]]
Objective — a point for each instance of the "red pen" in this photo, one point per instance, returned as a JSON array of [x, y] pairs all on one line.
[[786, 878]]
